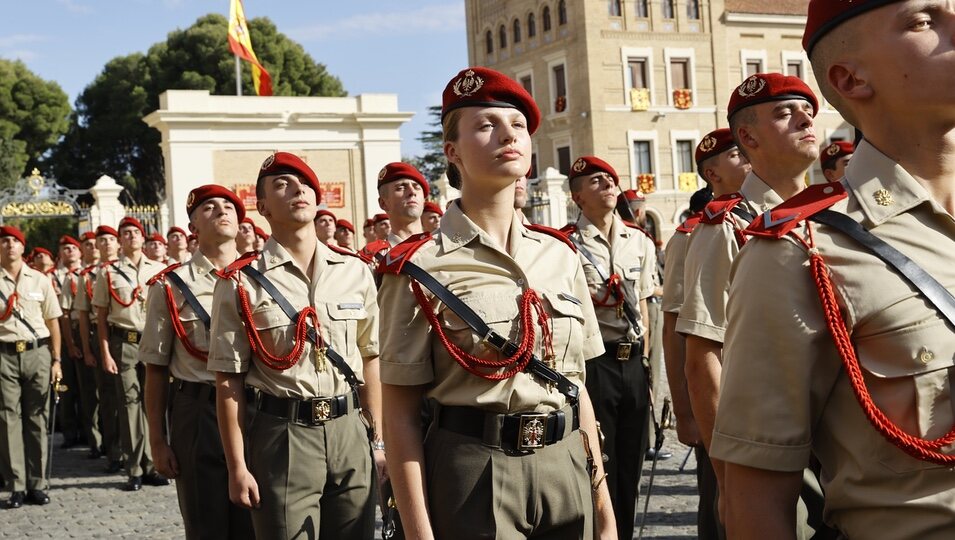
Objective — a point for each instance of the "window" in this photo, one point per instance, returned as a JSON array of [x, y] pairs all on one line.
[[641, 157], [562, 12], [794, 68], [614, 8], [545, 15], [693, 9], [488, 42], [528, 83], [560, 88], [517, 31], [502, 37], [684, 156], [668, 10], [638, 72], [531, 25], [642, 10], [753, 67], [679, 73], [563, 160]]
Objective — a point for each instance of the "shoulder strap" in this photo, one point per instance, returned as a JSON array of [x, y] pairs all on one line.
[[551, 232], [342, 251], [397, 256], [121, 273], [191, 299], [292, 314], [244, 260], [16, 313], [645, 232], [715, 211], [628, 310], [779, 221], [690, 223], [497, 341]]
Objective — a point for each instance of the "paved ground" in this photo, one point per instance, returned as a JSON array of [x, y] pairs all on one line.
[[88, 503]]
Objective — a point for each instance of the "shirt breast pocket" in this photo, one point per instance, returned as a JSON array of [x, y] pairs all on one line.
[[275, 330], [908, 373], [500, 312], [632, 270], [195, 329], [344, 325], [567, 319]]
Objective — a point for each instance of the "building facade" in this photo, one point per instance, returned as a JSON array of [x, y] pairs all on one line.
[[639, 82]]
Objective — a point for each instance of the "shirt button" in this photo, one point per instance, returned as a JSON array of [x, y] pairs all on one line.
[[926, 355], [520, 282], [274, 259]]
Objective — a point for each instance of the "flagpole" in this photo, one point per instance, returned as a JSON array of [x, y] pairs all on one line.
[[238, 76]]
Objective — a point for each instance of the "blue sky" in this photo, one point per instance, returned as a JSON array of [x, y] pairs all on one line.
[[410, 48]]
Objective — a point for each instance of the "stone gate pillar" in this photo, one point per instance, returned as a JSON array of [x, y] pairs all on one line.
[[106, 209], [553, 183]]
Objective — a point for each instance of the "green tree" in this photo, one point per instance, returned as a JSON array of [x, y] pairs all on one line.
[[34, 114], [107, 134], [432, 162]]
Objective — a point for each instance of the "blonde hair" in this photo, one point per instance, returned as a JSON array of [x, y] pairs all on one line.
[[449, 128]]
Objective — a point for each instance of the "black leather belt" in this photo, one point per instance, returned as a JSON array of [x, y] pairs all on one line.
[[17, 347], [624, 350], [204, 391], [653, 300], [514, 432], [307, 412], [125, 335]]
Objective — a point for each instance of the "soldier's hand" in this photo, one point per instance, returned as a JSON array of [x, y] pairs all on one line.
[[75, 351], [109, 365], [89, 359], [688, 432], [243, 490], [381, 466], [165, 460], [56, 373]]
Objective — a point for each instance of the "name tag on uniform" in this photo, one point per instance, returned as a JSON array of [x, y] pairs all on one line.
[[35, 295], [569, 298], [351, 305], [636, 268]]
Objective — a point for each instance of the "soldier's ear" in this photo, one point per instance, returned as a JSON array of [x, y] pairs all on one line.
[[745, 137], [849, 80], [260, 207]]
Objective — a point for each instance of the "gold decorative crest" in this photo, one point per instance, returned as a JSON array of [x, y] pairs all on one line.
[[751, 86], [579, 165], [708, 143], [382, 173], [468, 84], [883, 197], [268, 162], [832, 150], [190, 199]]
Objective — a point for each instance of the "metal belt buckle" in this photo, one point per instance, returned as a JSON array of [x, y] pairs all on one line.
[[21, 346], [321, 410], [132, 337], [623, 351], [530, 433]]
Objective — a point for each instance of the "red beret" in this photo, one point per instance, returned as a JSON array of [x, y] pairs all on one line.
[[156, 237], [483, 87], [210, 191], [286, 163], [633, 195], [192, 237], [765, 87], [345, 224], [835, 151], [247, 220], [37, 250], [379, 218], [130, 221], [588, 165], [714, 144], [260, 233], [431, 206], [177, 230], [398, 170], [825, 15], [10, 230], [106, 229], [325, 212], [88, 235], [67, 239], [370, 222]]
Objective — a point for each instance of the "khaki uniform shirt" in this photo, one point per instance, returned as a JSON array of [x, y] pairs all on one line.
[[343, 293], [160, 345], [675, 256], [83, 301], [629, 253], [69, 290], [785, 393], [491, 281], [134, 316], [36, 302], [709, 255]]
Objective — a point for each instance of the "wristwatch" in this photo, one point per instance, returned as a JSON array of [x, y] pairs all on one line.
[[378, 445]]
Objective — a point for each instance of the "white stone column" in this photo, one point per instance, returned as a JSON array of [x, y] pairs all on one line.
[[106, 209], [448, 193], [553, 183], [164, 217]]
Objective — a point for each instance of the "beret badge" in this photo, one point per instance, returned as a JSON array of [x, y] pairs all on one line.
[[751, 86], [708, 144], [383, 173], [833, 149], [579, 165], [268, 162], [468, 84]]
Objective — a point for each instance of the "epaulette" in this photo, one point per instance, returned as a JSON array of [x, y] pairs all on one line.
[[371, 249], [782, 219], [396, 257], [342, 251], [89, 269], [568, 229], [690, 223], [716, 210], [645, 232], [244, 260], [552, 232], [162, 273]]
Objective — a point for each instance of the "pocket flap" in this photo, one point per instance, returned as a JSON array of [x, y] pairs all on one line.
[[565, 304], [272, 317], [491, 309], [908, 352], [346, 311]]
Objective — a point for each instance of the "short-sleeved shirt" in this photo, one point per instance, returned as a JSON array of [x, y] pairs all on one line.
[[160, 344], [709, 256], [69, 288], [83, 300], [111, 278], [491, 281], [341, 290], [675, 257], [628, 253], [36, 302], [785, 393]]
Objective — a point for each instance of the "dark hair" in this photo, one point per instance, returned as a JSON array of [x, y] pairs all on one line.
[[700, 199]]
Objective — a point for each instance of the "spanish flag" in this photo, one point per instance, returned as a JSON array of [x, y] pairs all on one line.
[[241, 45]]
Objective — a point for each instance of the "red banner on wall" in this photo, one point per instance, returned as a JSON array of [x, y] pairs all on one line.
[[333, 194]]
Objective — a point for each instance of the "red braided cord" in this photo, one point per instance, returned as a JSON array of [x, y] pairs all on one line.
[[11, 302], [196, 352], [112, 292], [916, 447], [72, 283], [613, 288], [89, 287], [255, 341], [525, 350]]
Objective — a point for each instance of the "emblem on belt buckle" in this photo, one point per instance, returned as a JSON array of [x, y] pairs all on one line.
[[321, 410], [623, 351], [531, 432], [21, 346], [132, 337]]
